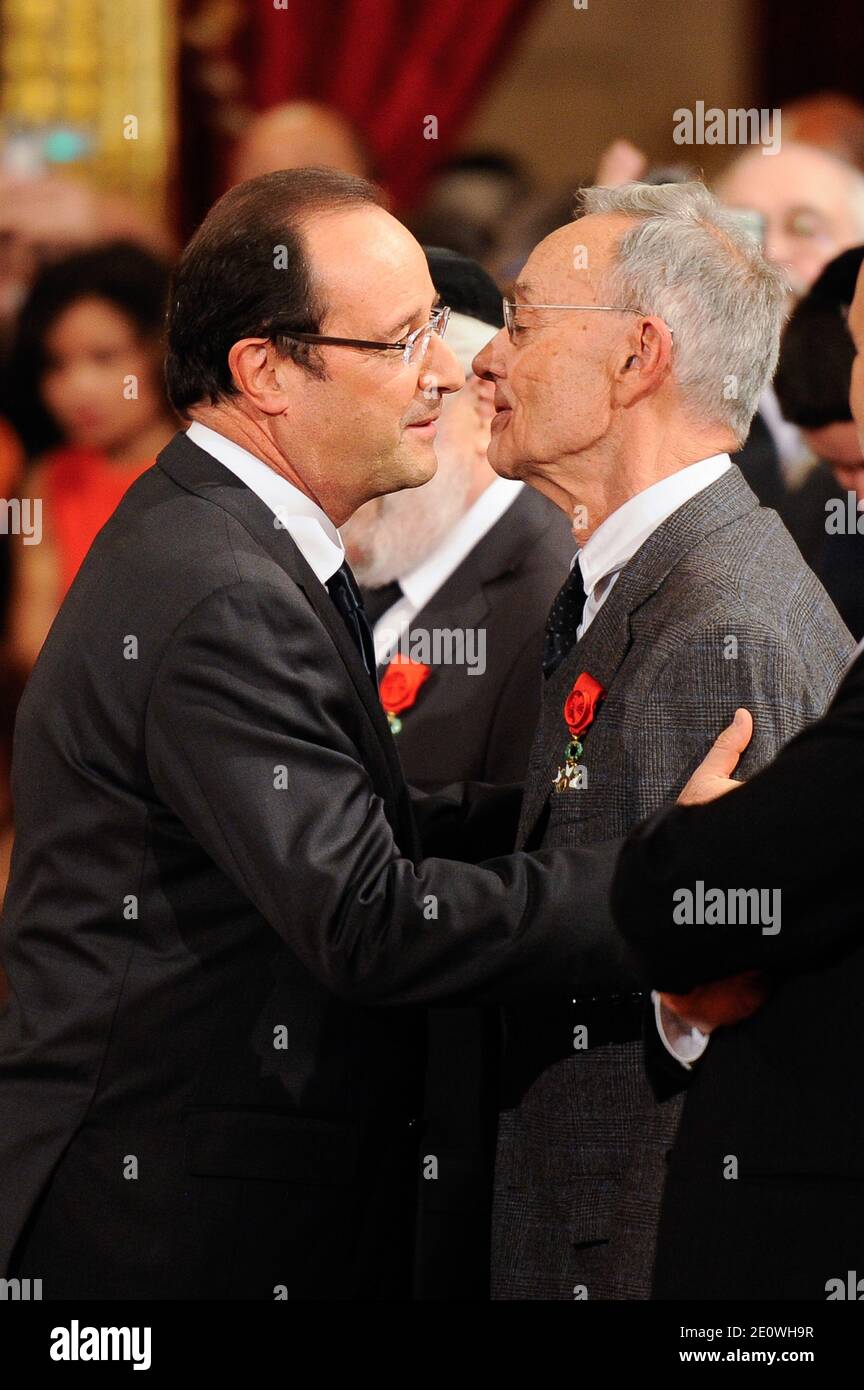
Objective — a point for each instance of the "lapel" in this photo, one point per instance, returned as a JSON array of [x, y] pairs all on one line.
[[197, 471], [603, 648], [463, 600]]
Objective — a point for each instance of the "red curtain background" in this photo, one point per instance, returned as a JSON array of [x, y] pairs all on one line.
[[385, 64]]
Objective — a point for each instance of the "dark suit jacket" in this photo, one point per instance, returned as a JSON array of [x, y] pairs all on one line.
[[760, 465], [837, 559], [780, 1093], [220, 924], [716, 609], [477, 728]]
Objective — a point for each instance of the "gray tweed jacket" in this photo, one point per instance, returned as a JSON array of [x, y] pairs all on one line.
[[717, 609]]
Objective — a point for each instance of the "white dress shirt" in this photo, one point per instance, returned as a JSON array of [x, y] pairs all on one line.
[[422, 583], [601, 560], [309, 527], [614, 543]]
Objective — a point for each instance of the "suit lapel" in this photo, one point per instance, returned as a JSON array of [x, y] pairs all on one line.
[[197, 471], [604, 647]]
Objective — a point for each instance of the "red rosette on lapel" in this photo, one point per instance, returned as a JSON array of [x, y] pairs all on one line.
[[581, 704], [399, 687], [580, 708]]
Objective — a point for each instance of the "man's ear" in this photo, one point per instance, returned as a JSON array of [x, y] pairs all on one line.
[[646, 362], [261, 374]]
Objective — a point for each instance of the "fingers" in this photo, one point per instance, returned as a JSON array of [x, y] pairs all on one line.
[[722, 758]]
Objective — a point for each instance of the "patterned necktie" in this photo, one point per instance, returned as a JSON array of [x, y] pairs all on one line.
[[562, 625], [377, 601], [342, 588]]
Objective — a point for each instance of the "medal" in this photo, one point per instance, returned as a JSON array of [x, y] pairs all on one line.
[[579, 710]]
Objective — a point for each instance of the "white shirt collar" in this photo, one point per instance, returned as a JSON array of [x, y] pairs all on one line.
[[616, 541], [309, 527], [423, 582]]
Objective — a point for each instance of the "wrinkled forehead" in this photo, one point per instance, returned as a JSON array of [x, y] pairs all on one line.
[[571, 260]]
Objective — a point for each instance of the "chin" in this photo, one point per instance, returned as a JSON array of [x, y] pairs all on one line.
[[500, 460], [419, 467]]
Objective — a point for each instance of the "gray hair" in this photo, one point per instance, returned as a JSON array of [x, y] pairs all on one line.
[[689, 261]]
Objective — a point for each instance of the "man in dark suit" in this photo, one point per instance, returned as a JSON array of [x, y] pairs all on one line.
[[687, 599], [225, 907], [764, 1196], [812, 385], [468, 553]]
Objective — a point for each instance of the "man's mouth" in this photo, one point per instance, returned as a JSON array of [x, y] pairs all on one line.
[[426, 428], [503, 411]]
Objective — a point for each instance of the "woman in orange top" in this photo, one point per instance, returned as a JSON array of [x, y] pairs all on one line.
[[87, 368]]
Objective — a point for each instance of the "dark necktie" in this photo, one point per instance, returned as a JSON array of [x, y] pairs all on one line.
[[562, 625], [377, 601], [342, 588]]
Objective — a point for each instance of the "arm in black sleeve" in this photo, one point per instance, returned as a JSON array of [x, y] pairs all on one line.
[[470, 821], [249, 743], [796, 828]]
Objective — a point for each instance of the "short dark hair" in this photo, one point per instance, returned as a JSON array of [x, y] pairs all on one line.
[[246, 269], [817, 352], [125, 275]]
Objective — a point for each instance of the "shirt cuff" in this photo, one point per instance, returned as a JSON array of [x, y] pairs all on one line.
[[685, 1044]]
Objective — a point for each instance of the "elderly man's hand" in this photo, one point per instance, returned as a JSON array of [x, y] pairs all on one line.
[[713, 777], [720, 1003]]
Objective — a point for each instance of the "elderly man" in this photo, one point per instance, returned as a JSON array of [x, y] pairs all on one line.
[[636, 347], [765, 1191], [219, 870]]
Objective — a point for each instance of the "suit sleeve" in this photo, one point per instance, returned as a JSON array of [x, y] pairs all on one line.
[[470, 821], [251, 741], [793, 830]]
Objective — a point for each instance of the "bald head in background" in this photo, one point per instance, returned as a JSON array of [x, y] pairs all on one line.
[[295, 135], [811, 201]]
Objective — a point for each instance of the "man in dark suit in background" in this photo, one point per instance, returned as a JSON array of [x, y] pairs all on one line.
[[812, 385], [479, 557], [225, 907], [687, 600]]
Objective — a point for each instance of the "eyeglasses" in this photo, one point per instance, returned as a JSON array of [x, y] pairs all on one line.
[[413, 348], [511, 309]]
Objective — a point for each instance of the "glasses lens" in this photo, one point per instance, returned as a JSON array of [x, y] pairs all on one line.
[[417, 345]]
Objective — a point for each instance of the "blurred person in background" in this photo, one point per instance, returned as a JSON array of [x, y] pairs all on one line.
[[11, 466], [470, 201], [832, 121], [296, 135], [466, 550], [45, 216], [812, 385], [86, 374], [811, 207]]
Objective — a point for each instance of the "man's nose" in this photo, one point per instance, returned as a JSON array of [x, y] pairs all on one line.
[[488, 363], [443, 364]]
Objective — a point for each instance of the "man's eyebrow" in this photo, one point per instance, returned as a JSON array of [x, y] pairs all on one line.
[[407, 319], [523, 289]]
